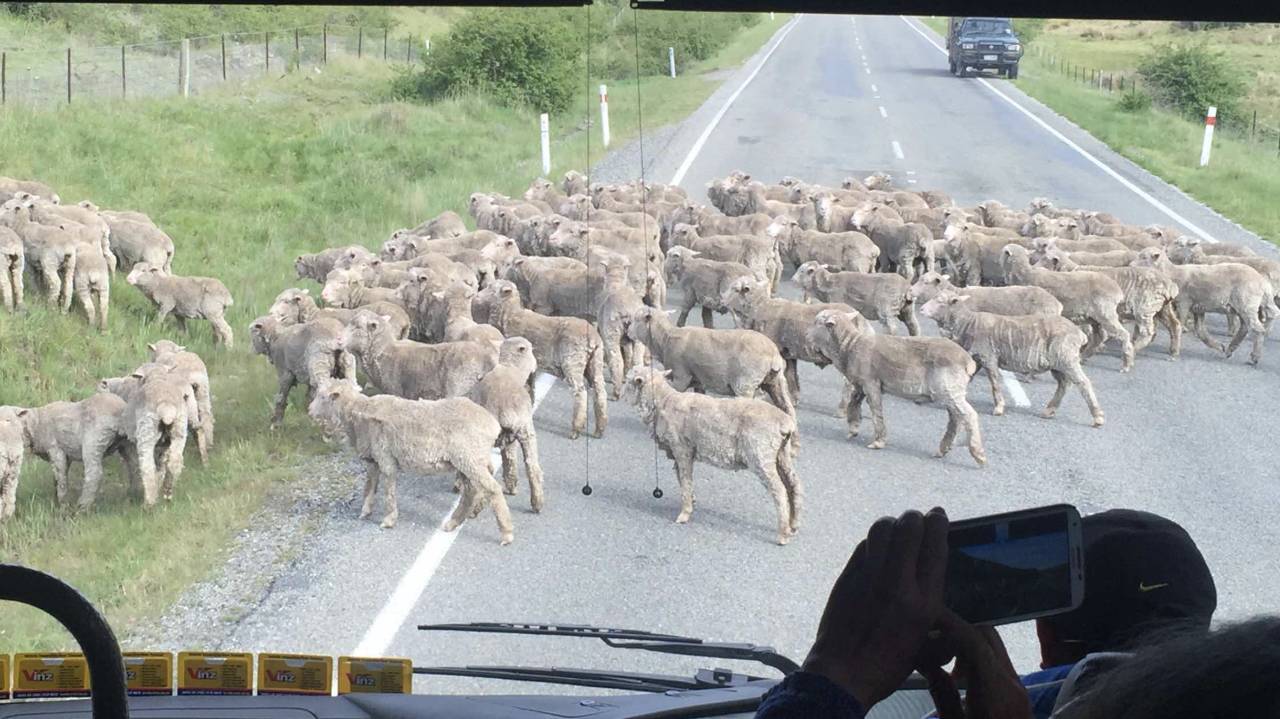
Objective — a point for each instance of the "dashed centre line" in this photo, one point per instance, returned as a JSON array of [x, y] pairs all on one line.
[[873, 88], [897, 150], [868, 70], [882, 112]]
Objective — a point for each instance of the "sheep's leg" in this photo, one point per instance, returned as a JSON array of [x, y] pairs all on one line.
[[1202, 331], [1233, 324], [129, 457], [52, 285], [284, 384], [528, 386], [182, 323], [793, 379], [684, 475], [908, 317], [1112, 327], [8, 493], [487, 489], [18, 299], [460, 510], [93, 456], [787, 471], [1059, 392], [1173, 323], [6, 298], [370, 488], [507, 450], [104, 300], [781, 500], [68, 285], [578, 385], [86, 303], [853, 408], [974, 431], [58, 459], [1239, 332], [889, 321], [173, 458], [222, 332], [529, 448], [615, 358], [594, 377], [1144, 331], [1096, 338], [997, 394], [685, 308], [146, 455], [775, 385], [875, 401], [846, 393], [707, 320], [163, 311], [389, 468], [949, 434]]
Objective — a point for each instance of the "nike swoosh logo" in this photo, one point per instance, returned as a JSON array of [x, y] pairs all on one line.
[[1148, 587]]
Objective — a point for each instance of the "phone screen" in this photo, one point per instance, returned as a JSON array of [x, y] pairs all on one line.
[[1015, 566]]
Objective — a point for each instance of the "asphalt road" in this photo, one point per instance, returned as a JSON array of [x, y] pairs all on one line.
[[1187, 439]]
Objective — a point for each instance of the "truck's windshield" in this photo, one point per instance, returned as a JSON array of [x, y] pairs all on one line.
[[986, 26]]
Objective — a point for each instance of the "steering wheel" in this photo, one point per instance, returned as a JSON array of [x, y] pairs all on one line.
[[101, 651]]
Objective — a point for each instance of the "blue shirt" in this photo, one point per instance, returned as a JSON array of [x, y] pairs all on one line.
[[1042, 688], [808, 696]]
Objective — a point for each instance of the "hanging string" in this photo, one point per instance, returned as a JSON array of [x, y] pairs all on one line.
[[644, 222], [586, 487]]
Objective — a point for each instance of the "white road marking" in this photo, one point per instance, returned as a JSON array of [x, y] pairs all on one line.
[[897, 150], [702, 139], [1080, 150], [873, 88], [1014, 388], [868, 70], [415, 579], [882, 112], [875, 97]]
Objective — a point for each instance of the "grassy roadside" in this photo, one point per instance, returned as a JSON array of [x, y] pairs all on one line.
[[244, 180], [1241, 181]]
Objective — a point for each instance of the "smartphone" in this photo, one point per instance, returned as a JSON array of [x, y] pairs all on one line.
[[1016, 566]]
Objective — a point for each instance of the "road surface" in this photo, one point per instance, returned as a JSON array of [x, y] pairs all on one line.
[[837, 96]]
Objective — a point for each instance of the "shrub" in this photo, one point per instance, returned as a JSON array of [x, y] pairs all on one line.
[[1190, 78], [1135, 101], [1028, 28], [518, 56]]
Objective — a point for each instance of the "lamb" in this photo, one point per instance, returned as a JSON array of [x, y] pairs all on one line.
[[902, 244], [157, 407], [392, 434], [846, 251], [12, 449], [411, 369], [185, 297], [318, 266], [12, 263], [997, 300], [886, 297], [702, 282], [64, 432], [1027, 344], [1086, 297], [459, 325], [1148, 294], [915, 368], [501, 392], [1232, 289], [737, 433], [294, 306], [567, 347], [49, 251], [92, 279], [188, 364], [734, 362], [350, 289]]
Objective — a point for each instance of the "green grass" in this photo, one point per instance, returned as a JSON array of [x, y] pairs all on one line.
[[243, 180]]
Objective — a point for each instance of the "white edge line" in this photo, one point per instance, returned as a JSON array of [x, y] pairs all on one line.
[[414, 581], [882, 112], [1015, 389], [897, 150], [1170, 212], [706, 133]]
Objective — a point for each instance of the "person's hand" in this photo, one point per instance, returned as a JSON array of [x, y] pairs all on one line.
[[882, 606], [994, 689]]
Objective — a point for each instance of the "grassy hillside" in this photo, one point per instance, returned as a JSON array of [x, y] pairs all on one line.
[[244, 181]]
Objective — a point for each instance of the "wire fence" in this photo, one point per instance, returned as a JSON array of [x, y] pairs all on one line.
[[1264, 132], [43, 78]]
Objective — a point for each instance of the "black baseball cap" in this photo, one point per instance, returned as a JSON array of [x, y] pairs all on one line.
[[1141, 572]]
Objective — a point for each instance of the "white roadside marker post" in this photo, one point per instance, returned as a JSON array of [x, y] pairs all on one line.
[[544, 122], [671, 58], [1209, 121], [604, 114]]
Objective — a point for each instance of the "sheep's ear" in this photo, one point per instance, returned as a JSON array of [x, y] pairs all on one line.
[[829, 321], [506, 290], [958, 299], [151, 346], [24, 412], [945, 277], [298, 259], [438, 295], [136, 374]]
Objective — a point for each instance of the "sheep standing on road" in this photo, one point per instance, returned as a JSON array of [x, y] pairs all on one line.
[[1027, 344], [915, 368], [903, 245], [998, 300], [702, 282], [618, 302], [12, 263], [502, 392], [413, 370], [392, 434], [734, 433], [879, 295], [186, 298]]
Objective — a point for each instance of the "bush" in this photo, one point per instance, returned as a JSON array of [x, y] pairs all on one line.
[[1190, 78], [1135, 101], [1028, 28], [695, 36], [518, 56]]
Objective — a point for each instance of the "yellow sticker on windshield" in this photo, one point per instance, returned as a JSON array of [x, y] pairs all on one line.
[[4, 676], [148, 673], [295, 674], [374, 675], [50, 675], [215, 673]]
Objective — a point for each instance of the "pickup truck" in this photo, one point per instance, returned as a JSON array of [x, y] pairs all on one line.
[[983, 43]]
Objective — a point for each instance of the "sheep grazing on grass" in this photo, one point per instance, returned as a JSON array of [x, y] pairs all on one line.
[[392, 435], [189, 365], [443, 226], [734, 362], [567, 347], [730, 433], [49, 251], [12, 449], [702, 282], [1027, 344], [317, 266], [905, 247], [308, 354], [1087, 298], [915, 368], [133, 240], [159, 405], [86, 431], [294, 306], [12, 263], [411, 369], [186, 298], [1232, 289], [998, 300], [502, 393], [87, 224], [879, 295]]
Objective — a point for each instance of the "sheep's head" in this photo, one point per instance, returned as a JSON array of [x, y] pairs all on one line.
[[640, 383], [87, 205], [676, 258], [643, 321], [362, 331], [500, 250], [291, 305], [498, 292], [538, 189], [142, 273], [683, 234], [1056, 260], [164, 348], [744, 293], [928, 286], [1150, 257], [261, 331], [878, 181], [809, 273], [852, 183], [517, 352], [866, 213], [339, 285], [329, 396], [938, 308], [783, 228]]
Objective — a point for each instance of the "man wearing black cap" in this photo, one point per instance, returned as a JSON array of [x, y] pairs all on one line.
[[1142, 572]]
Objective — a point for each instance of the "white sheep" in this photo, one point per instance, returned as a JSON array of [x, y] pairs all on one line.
[[186, 298]]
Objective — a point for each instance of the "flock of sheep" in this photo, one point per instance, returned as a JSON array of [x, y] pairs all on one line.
[[451, 325]]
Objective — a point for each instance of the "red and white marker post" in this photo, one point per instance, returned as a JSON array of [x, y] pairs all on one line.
[[1209, 121], [604, 114]]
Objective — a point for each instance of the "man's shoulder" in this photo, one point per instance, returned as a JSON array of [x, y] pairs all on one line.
[[1042, 688], [1045, 676]]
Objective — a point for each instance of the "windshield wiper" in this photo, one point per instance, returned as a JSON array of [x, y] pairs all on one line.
[[633, 639], [625, 681]]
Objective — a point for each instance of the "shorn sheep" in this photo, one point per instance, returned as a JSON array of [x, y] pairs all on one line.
[[392, 434], [731, 433], [12, 448], [502, 393], [185, 298]]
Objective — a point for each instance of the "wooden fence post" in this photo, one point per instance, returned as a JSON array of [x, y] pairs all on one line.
[[266, 52], [360, 42], [297, 46], [408, 50], [324, 52], [185, 63], [384, 44], [4, 85], [124, 77], [224, 58], [68, 76]]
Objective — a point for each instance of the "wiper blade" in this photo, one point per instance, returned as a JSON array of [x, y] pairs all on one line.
[[625, 681], [633, 639]]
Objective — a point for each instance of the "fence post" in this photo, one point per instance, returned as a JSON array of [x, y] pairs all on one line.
[[360, 42], [266, 52], [408, 50], [604, 114], [671, 59], [426, 43], [4, 84], [224, 58], [384, 44], [185, 62], [68, 76], [1253, 129], [1209, 121], [324, 53], [544, 123], [124, 77]]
